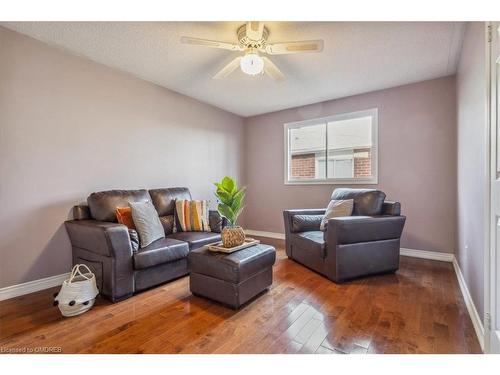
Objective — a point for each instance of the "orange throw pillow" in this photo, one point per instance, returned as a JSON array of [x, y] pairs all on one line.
[[124, 216]]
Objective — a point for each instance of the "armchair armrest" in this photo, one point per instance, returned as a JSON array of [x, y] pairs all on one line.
[[391, 208], [100, 237], [288, 216], [302, 219], [304, 223], [354, 229]]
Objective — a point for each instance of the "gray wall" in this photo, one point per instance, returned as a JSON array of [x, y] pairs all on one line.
[[70, 127], [417, 161], [471, 157]]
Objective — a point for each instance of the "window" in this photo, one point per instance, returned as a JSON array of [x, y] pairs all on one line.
[[337, 149]]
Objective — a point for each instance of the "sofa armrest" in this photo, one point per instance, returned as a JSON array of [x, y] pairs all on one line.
[[354, 229], [81, 212], [100, 237], [391, 208], [216, 221]]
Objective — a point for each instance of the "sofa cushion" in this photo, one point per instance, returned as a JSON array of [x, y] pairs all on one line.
[[192, 215], [196, 239], [161, 251], [103, 204], [312, 241], [124, 216], [164, 199], [134, 240], [168, 223], [367, 202], [216, 221], [147, 222]]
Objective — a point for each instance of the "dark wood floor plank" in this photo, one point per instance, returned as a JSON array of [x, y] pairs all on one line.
[[417, 310]]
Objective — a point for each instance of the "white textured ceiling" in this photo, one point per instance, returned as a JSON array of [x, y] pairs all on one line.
[[358, 57]]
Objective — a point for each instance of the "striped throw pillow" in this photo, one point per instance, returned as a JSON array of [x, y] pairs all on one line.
[[192, 216]]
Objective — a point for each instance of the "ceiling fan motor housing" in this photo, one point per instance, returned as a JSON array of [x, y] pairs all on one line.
[[248, 43]]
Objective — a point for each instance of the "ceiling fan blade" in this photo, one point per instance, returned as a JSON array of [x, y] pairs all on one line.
[[255, 30], [295, 47], [228, 69], [272, 70], [211, 43]]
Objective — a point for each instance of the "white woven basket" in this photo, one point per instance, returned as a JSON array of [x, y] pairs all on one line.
[[78, 293]]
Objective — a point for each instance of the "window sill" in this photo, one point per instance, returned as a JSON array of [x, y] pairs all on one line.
[[357, 181]]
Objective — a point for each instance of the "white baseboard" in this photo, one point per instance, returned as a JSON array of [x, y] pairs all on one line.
[[278, 236], [32, 286], [469, 303], [423, 254]]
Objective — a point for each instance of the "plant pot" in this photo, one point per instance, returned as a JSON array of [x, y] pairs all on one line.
[[232, 236]]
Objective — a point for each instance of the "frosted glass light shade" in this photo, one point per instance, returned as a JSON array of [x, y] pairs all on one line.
[[252, 64]]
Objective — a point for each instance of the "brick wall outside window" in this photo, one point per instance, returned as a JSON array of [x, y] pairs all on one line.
[[303, 166], [362, 163]]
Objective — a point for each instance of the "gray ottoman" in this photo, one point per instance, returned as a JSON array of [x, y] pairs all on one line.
[[231, 279]]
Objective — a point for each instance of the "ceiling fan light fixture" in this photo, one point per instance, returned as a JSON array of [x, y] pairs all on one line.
[[252, 64]]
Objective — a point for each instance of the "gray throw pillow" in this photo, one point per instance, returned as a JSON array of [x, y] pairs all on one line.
[[147, 223], [337, 208], [134, 239]]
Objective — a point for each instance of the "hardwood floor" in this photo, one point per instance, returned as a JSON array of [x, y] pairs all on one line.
[[417, 310]]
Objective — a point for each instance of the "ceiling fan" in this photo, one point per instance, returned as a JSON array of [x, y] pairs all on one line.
[[252, 40]]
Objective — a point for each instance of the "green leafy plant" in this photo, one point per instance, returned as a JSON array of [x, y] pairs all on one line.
[[230, 199]]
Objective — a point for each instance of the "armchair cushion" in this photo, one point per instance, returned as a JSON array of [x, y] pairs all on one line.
[[354, 229], [312, 242], [337, 208], [304, 223], [164, 250], [366, 201]]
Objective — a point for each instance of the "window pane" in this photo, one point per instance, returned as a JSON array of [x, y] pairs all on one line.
[[349, 148], [307, 146]]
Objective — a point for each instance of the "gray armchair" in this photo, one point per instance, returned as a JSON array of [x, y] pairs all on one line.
[[353, 246]]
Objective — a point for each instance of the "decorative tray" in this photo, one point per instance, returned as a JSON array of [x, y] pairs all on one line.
[[217, 247]]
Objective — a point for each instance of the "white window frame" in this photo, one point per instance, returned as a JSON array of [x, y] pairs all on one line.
[[331, 158], [373, 113]]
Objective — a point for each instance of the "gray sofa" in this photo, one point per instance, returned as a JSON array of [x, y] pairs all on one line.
[[106, 246], [363, 244]]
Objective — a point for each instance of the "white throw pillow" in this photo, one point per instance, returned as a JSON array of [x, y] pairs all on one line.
[[147, 223], [337, 208]]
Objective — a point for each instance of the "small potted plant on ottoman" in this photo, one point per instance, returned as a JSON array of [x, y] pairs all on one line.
[[230, 199]]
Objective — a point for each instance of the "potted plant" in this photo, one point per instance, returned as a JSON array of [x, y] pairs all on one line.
[[230, 205]]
